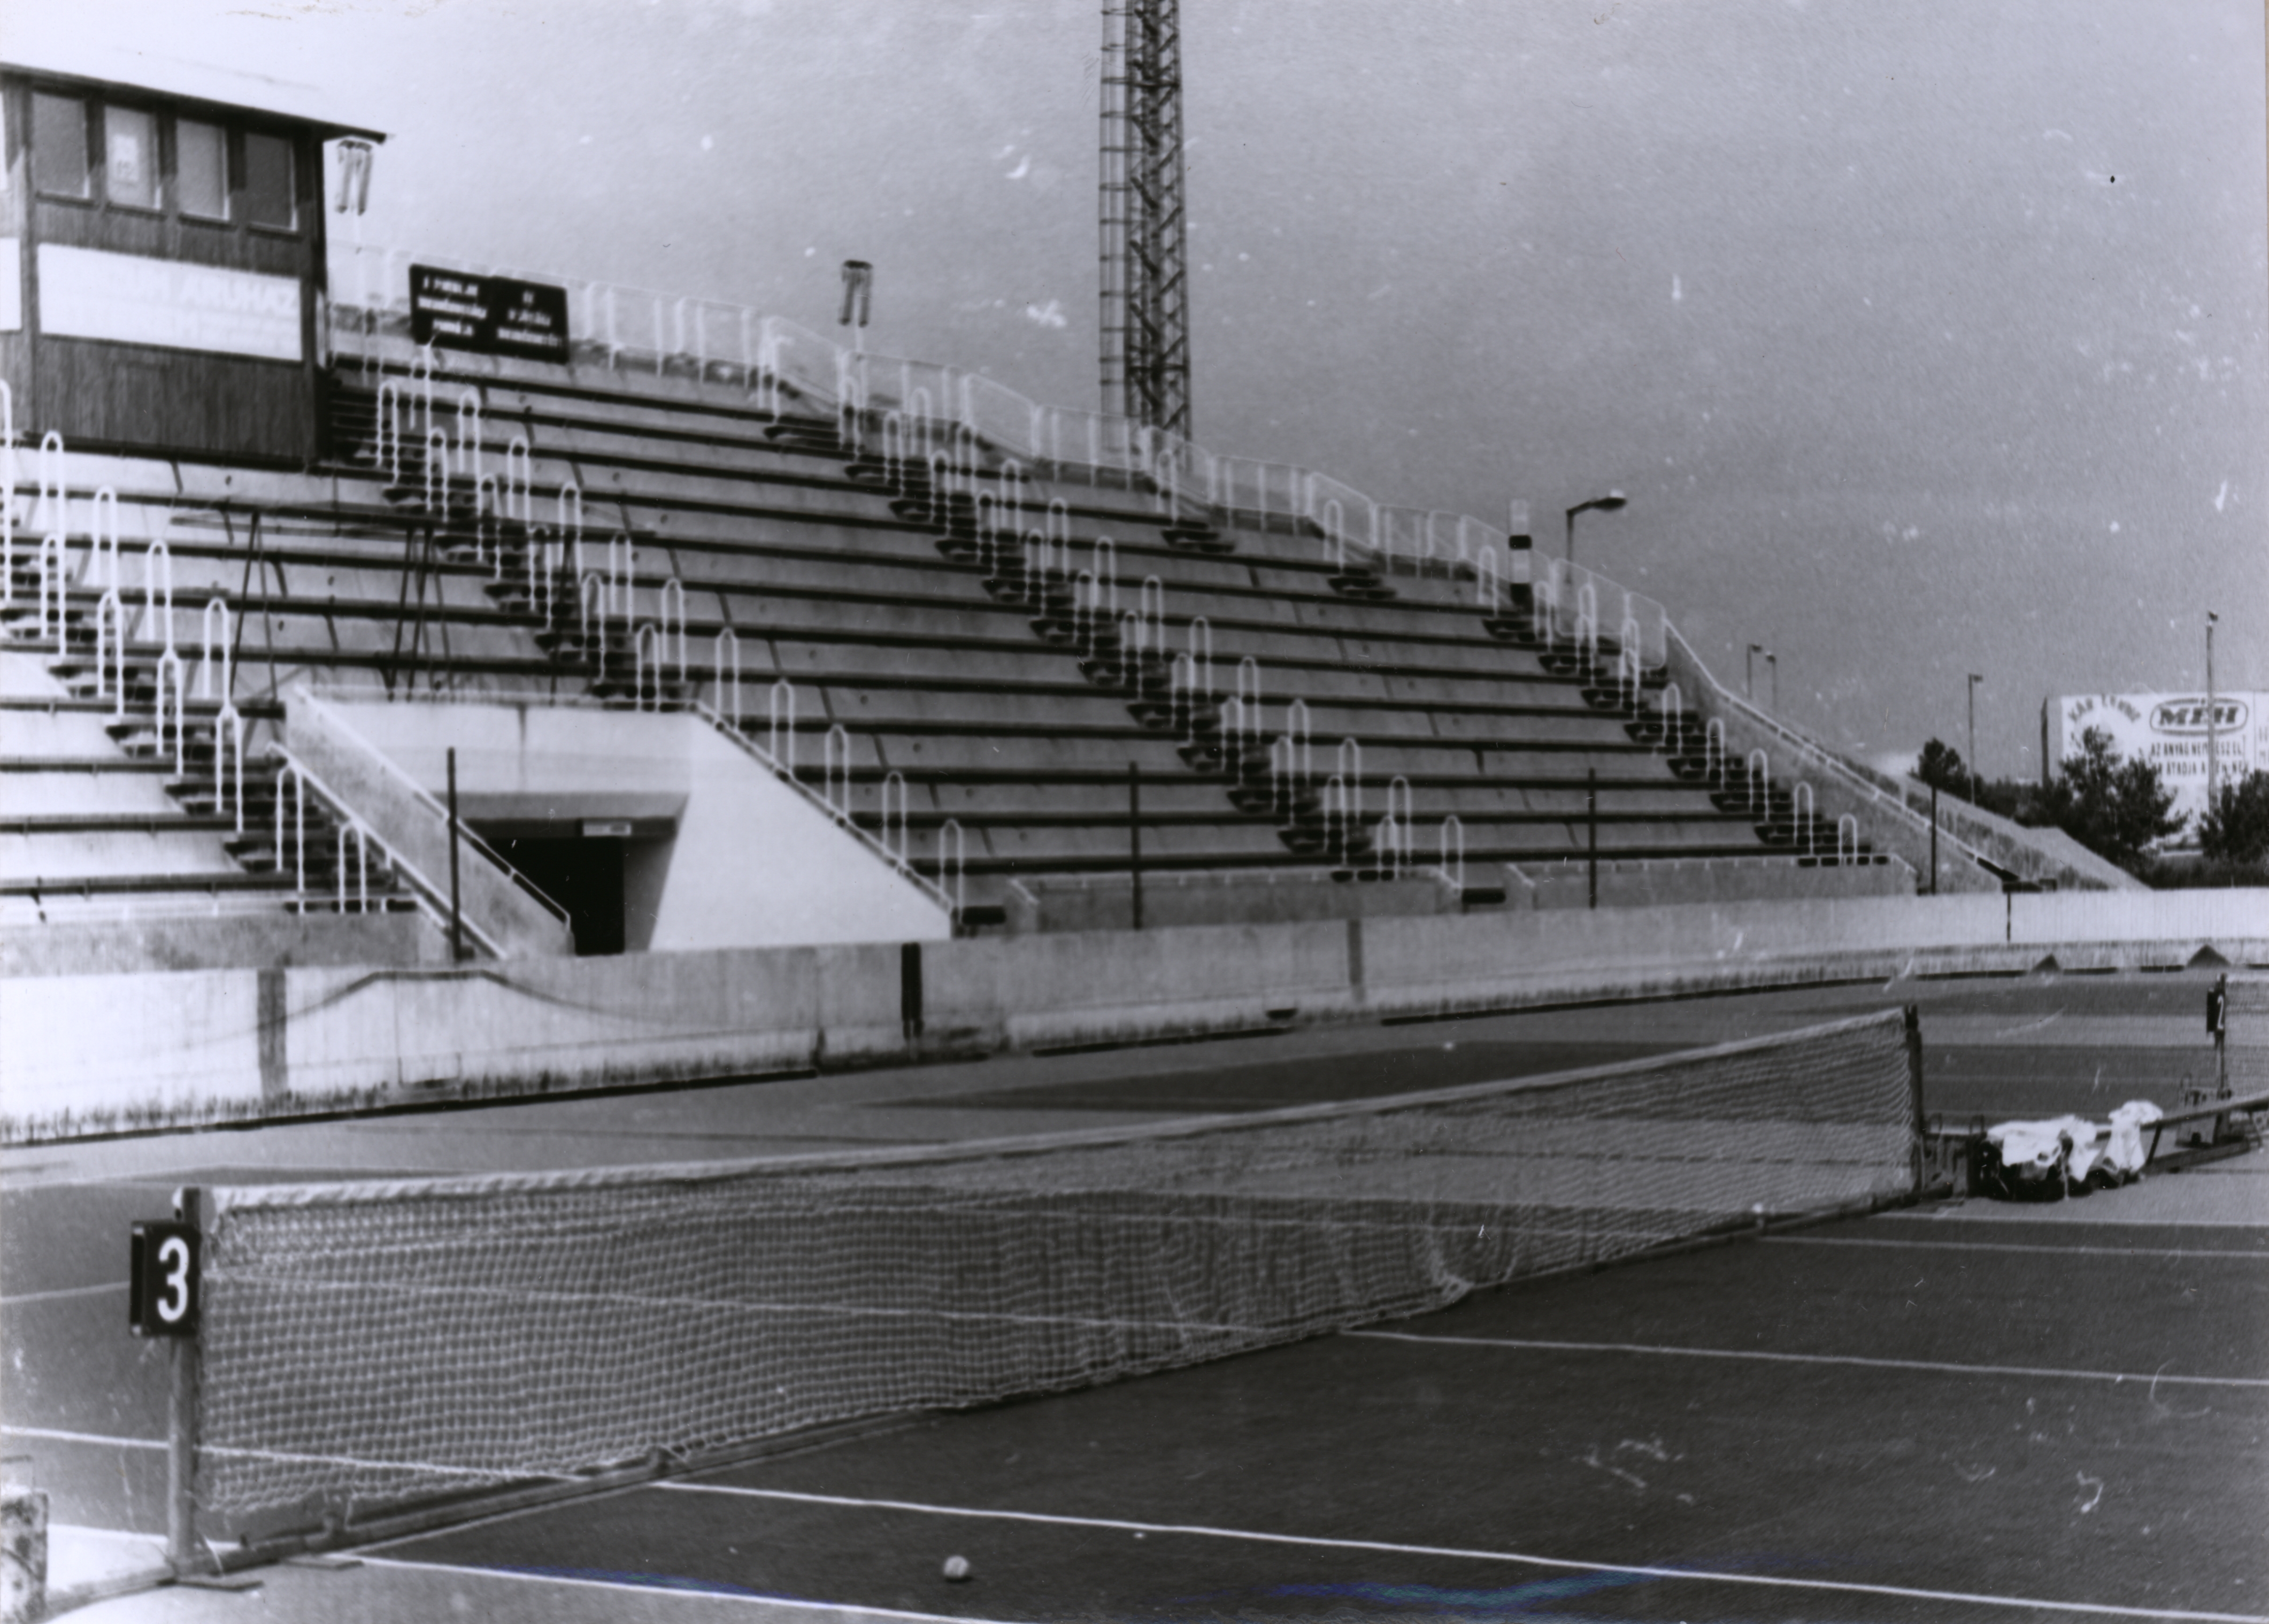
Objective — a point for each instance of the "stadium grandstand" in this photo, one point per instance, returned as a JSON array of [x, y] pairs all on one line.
[[425, 681]]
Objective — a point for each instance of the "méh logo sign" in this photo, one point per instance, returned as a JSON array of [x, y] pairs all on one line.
[[2188, 715]]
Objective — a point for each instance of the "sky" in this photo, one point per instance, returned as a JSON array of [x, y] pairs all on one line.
[[1924, 339]]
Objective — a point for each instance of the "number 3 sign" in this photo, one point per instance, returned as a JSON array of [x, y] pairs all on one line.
[[164, 1285]]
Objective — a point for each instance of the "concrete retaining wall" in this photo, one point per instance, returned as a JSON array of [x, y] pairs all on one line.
[[217, 1046]]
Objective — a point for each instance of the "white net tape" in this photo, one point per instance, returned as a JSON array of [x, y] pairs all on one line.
[[369, 1344]]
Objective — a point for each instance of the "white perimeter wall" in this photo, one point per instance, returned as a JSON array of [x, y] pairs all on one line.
[[213, 1044]]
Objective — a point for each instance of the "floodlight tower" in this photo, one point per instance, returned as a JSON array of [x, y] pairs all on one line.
[[1146, 287]]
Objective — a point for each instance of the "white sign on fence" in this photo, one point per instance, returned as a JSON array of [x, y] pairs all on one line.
[[130, 298], [2169, 732]]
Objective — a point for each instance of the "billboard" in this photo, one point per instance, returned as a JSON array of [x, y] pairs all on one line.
[[2169, 732]]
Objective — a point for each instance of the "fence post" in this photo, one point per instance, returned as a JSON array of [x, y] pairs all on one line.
[[1934, 839], [181, 1550], [1914, 1089], [1134, 835], [456, 917], [1591, 828]]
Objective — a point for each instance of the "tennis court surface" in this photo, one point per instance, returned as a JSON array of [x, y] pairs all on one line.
[[1953, 1411]]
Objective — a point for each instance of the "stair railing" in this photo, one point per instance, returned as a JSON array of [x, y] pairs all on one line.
[[228, 727], [1841, 824], [894, 794], [724, 656], [212, 641], [1181, 698], [1398, 802], [591, 608], [52, 512], [1713, 750], [953, 864], [437, 473], [780, 736], [1487, 591], [53, 559], [646, 654], [1202, 655], [1672, 709], [1086, 607], [673, 603], [1303, 752], [1131, 629], [519, 480], [1387, 845], [361, 835], [1454, 851], [157, 589], [388, 429], [468, 436], [1105, 555], [1760, 776], [1802, 815], [110, 648], [289, 777], [169, 665], [1349, 763]]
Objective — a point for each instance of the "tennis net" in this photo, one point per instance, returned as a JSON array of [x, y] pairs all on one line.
[[369, 1344]]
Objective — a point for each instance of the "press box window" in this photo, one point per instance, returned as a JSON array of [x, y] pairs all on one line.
[[268, 181], [59, 156], [129, 140], [201, 162]]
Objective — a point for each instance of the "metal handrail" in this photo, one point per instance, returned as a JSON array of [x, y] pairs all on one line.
[[426, 797], [432, 898]]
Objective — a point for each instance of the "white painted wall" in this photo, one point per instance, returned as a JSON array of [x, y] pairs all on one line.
[[754, 863]]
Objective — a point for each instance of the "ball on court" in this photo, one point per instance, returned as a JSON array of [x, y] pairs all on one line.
[[957, 1568]]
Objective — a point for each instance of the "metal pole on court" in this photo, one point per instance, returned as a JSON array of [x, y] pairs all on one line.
[[457, 919], [182, 1426], [1592, 827], [1934, 839], [1134, 835]]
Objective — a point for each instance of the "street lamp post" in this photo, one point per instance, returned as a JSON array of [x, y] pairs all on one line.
[[2212, 776], [1974, 680], [1772, 677], [1606, 504]]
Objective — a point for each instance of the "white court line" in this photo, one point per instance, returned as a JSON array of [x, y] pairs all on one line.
[[2078, 1252], [1391, 1547], [2114, 1377], [844, 1610], [54, 1435], [64, 1291]]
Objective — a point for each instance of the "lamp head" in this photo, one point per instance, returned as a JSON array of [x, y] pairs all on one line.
[[1610, 502]]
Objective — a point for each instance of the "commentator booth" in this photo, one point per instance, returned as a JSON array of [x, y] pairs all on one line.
[[162, 253]]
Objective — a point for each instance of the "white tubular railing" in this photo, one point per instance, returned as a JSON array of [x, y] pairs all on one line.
[[1454, 851], [110, 646], [52, 512], [953, 859], [792, 354], [780, 733], [54, 560], [894, 794], [1349, 763], [1801, 816], [1346, 516], [290, 778], [520, 482], [673, 599], [228, 727], [997, 414], [834, 760], [169, 665], [468, 436], [724, 667], [158, 590], [212, 642], [1847, 821], [645, 655], [591, 592], [1758, 771]]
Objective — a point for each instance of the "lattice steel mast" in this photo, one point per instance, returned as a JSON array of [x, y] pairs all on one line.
[[1146, 302]]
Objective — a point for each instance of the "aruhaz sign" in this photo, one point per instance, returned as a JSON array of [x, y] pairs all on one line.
[[163, 1279], [2170, 732], [488, 315]]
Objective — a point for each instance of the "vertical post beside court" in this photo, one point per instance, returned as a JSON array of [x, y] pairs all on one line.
[[1914, 1092], [456, 918], [1934, 839], [1591, 829], [181, 1552], [1134, 836]]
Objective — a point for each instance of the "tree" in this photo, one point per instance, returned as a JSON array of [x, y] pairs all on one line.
[[1941, 766], [2113, 808], [2236, 828]]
